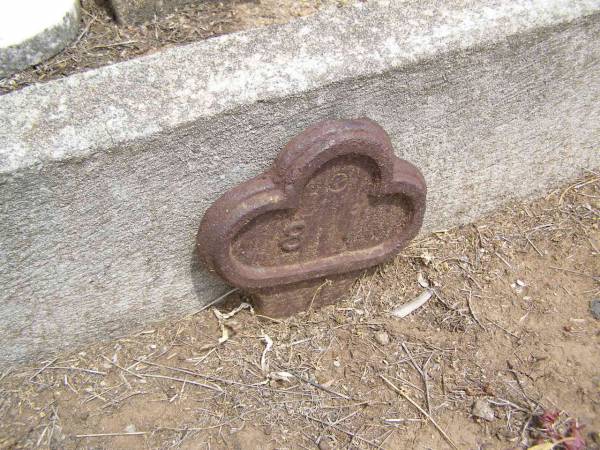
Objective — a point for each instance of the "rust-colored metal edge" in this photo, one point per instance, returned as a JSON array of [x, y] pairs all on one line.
[[279, 188]]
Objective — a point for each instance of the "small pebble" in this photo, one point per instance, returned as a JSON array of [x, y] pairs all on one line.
[[382, 338], [483, 410], [325, 443], [595, 308], [517, 287]]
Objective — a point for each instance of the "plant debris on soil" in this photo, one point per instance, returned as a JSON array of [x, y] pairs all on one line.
[[102, 41], [505, 354]]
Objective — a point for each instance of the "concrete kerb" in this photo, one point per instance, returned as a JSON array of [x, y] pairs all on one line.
[[106, 174]]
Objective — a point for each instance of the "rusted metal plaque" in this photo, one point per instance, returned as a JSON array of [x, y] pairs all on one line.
[[335, 202]]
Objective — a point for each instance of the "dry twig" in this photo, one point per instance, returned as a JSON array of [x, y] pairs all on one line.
[[421, 410]]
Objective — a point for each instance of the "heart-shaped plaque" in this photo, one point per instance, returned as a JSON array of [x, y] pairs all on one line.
[[335, 202]]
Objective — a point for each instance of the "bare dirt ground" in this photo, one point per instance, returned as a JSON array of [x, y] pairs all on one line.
[[505, 355], [102, 41]]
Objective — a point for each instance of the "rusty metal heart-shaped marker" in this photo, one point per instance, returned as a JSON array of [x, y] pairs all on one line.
[[335, 202]]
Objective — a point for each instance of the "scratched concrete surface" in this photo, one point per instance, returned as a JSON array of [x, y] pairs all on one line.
[[105, 175]]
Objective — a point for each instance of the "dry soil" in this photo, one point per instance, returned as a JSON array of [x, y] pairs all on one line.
[[507, 335]]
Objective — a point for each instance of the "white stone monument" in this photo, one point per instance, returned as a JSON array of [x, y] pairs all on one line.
[[32, 31]]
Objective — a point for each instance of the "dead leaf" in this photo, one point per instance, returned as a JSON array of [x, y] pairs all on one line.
[[281, 376], [221, 316], [549, 445], [407, 308], [544, 446], [224, 333], [263, 359]]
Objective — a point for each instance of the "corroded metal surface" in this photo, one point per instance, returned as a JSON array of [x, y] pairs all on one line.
[[335, 202]]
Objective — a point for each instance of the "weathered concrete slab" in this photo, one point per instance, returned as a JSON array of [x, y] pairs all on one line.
[[140, 11], [106, 174], [32, 31]]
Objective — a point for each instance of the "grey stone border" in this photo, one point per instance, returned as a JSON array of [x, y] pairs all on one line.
[[106, 174]]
